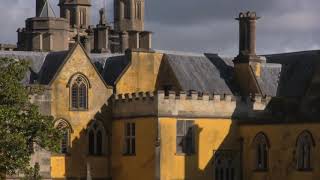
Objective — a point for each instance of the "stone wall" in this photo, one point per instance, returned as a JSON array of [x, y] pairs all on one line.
[[185, 104]]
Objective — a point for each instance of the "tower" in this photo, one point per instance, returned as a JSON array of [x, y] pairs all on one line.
[[45, 32], [129, 15], [77, 12]]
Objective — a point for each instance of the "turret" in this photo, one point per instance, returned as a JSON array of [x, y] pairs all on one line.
[[129, 15], [77, 12]]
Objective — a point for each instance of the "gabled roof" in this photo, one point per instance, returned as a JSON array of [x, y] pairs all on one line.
[[52, 63], [285, 75], [47, 10]]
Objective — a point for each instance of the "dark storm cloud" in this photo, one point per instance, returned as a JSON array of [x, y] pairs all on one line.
[[203, 25], [199, 11]]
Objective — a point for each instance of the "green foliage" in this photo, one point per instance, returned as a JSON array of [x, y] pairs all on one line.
[[21, 124], [32, 173]]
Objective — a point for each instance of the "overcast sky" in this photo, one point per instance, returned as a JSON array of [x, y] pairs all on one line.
[[203, 25]]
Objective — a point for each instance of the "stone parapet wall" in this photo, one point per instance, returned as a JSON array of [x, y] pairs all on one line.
[[186, 104]]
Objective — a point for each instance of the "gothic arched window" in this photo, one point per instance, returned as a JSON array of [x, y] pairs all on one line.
[[96, 138], [261, 145], [305, 143], [66, 131], [79, 93]]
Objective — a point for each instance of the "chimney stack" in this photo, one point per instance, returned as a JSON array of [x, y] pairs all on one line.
[[247, 37]]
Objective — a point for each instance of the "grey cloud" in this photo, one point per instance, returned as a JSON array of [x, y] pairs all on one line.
[[203, 25]]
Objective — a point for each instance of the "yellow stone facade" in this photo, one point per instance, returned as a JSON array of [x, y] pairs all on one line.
[[74, 163], [218, 131]]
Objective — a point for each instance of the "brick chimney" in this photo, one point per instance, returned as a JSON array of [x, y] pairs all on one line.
[[247, 65], [247, 37]]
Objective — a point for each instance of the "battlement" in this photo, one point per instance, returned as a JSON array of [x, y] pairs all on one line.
[[184, 95], [187, 104]]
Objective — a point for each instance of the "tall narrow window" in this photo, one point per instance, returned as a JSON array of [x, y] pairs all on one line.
[[305, 144], [225, 165], [261, 145], [185, 137], [130, 139], [64, 141], [96, 138], [127, 9], [66, 131], [81, 18], [79, 93], [138, 10]]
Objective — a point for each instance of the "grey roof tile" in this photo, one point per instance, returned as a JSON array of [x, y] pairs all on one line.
[[110, 66], [51, 65], [200, 73]]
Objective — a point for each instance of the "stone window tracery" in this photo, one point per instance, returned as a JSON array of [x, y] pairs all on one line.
[[66, 132], [79, 93], [96, 138]]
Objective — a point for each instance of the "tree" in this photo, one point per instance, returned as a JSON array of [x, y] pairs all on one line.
[[33, 173], [21, 124]]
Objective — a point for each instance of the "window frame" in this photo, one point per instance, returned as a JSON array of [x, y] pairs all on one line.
[[127, 9], [75, 90], [129, 142], [95, 127], [261, 151], [187, 137], [64, 125], [302, 163], [138, 10]]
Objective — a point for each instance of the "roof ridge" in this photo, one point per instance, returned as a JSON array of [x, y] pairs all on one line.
[[293, 52]]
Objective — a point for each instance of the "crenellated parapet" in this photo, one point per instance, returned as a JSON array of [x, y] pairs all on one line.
[[187, 104]]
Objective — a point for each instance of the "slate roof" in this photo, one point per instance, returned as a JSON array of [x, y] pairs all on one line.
[[110, 66], [286, 74], [199, 73], [43, 66], [52, 63]]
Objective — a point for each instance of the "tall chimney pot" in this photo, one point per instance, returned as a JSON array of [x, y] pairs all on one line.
[[247, 35]]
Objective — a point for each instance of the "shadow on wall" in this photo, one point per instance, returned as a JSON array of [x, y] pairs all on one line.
[[88, 155], [225, 162]]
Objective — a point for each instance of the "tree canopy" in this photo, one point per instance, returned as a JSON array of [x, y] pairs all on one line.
[[21, 124]]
